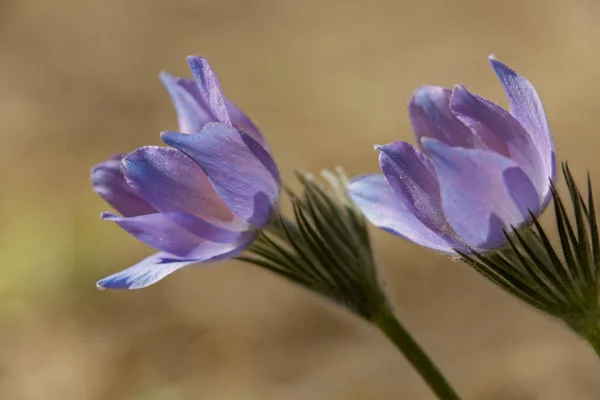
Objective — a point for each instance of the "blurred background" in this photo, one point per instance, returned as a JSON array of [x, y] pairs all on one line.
[[324, 80]]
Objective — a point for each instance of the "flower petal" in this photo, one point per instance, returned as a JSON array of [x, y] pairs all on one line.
[[412, 175], [501, 132], [161, 232], [382, 207], [171, 181], [482, 192], [159, 265], [430, 116], [191, 110], [110, 184], [203, 115], [244, 124], [144, 273], [526, 107], [218, 232], [209, 87], [241, 171]]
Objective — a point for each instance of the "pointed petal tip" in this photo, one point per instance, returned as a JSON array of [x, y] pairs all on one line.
[[110, 283], [139, 154], [395, 149], [118, 282], [500, 67], [108, 216], [201, 68], [171, 138], [429, 141], [492, 57], [423, 93], [195, 58], [198, 61], [459, 87], [131, 159], [384, 147], [168, 80]]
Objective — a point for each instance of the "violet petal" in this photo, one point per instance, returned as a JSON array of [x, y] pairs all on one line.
[[241, 171], [161, 232], [380, 204], [209, 87], [526, 107], [145, 273], [430, 116], [191, 112], [110, 184], [172, 181], [501, 132], [159, 265], [412, 175], [482, 192], [243, 123], [237, 116]]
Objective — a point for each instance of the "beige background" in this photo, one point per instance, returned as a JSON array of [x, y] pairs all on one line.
[[325, 80]]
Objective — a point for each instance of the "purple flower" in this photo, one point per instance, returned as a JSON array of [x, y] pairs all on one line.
[[478, 169], [203, 199]]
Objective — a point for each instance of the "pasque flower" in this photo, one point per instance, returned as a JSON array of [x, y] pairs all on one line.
[[477, 171], [202, 199]]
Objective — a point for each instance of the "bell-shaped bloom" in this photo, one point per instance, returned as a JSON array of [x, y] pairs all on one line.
[[202, 199], [477, 170]]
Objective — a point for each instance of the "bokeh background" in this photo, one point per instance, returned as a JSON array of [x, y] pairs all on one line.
[[324, 80]]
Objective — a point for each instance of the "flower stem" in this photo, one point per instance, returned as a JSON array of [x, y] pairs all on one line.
[[592, 335], [595, 343], [387, 322], [587, 325]]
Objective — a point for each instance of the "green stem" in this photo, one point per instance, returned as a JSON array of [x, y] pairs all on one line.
[[595, 343], [387, 322], [587, 325], [592, 335]]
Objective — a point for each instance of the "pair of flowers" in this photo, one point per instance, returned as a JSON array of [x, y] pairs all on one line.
[[478, 170]]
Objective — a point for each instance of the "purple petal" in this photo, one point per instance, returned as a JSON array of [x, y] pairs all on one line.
[[171, 181], [241, 171], [190, 86], [526, 107], [382, 207], [110, 184], [215, 232], [209, 87], [244, 124], [191, 110], [161, 232], [144, 273], [430, 116], [412, 175], [238, 118], [501, 132], [482, 192], [159, 265]]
